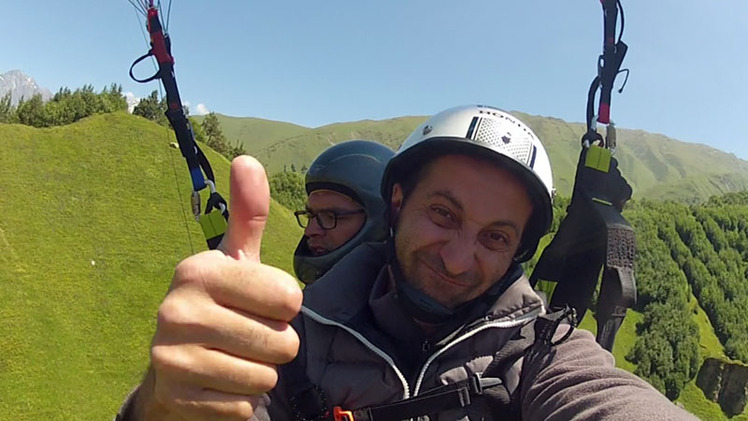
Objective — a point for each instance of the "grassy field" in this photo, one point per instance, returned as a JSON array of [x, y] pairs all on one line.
[[92, 228]]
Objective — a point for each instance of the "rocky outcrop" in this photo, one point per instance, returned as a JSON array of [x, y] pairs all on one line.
[[725, 383]]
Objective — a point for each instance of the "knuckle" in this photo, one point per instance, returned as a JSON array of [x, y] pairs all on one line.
[[291, 297], [266, 379], [166, 360], [174, 311], [186, 272], [244, 410], [289, 345], [181, 316]]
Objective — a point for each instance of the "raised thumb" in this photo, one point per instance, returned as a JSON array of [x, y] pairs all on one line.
[[248, 209]]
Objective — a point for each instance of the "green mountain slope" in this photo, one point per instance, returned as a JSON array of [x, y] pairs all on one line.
[[302, 149], [255, 133], [657, 167], [92, 228]]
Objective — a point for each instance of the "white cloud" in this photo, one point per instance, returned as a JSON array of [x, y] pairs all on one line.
[[132, 100], [201, 109]]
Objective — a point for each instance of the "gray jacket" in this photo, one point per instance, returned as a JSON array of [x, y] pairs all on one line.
[[361, 349]]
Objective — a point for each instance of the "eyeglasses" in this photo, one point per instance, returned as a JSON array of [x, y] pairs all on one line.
[[326, 219]]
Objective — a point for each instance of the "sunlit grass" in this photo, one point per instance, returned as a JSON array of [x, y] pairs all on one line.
[[92, 227]]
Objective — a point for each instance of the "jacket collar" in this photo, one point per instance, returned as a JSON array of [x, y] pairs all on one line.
[[357, 281]]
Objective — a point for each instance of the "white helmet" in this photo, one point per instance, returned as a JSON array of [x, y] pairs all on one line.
[[486, 132]]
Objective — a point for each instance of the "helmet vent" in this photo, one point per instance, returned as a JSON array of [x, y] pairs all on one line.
[[490, 133]]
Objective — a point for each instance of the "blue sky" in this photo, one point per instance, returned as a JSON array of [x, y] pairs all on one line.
[[315, 63]]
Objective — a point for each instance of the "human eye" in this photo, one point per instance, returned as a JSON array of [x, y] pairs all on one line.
[[345, 214], [495, 240], [327, 218], [442, 216]]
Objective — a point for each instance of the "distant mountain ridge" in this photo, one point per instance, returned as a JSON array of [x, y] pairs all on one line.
[[657, 166], [21, 86]]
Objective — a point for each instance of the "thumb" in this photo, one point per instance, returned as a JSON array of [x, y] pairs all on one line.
[[248, 209]]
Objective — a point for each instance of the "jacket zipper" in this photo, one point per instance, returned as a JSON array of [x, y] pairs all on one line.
[[489, 325], [325, 321]]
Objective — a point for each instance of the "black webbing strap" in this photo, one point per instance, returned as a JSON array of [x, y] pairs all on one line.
[[613, 53], [618, 287], [452, 396]]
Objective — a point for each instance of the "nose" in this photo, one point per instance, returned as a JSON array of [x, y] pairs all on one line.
[[313, 229], [458, 255]]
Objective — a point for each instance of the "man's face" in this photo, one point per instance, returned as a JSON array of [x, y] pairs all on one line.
[[459, 228], [322, 241]]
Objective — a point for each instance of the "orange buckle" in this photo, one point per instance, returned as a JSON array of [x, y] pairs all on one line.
[[341, 415]]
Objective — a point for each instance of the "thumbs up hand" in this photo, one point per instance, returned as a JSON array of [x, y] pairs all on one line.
[[224, 324]]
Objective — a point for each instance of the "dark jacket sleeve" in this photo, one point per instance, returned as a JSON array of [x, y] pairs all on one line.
[[578, 380]]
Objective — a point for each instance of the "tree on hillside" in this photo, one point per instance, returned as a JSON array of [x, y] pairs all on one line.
[[287, 188], [31, 112], [7, 110], [152, 108], [214, 135], [65, 106], [113, 99], [666, 351], [236, 150]]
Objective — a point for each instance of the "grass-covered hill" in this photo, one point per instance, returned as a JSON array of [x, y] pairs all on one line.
[[255, 133], [657, 167], [92, 226]]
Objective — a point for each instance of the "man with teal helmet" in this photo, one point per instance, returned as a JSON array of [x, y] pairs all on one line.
[[344, 207]]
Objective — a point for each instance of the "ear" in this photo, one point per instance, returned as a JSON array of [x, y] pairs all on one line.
[[396, 202]]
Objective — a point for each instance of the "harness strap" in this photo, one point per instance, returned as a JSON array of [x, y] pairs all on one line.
[[452, 396], [618, 287]]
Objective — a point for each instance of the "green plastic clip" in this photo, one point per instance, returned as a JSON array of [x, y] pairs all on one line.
[[214, 224], [598, 158]]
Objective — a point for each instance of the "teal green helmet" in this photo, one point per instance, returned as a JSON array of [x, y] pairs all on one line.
[[353, 168]]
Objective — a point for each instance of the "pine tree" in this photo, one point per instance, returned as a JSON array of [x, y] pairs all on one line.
[[152, 108]]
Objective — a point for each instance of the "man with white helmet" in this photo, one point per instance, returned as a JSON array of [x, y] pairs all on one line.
[[344, 207], [440, 324]]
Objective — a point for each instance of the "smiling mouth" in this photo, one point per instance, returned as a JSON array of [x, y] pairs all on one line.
[[446, 279]]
